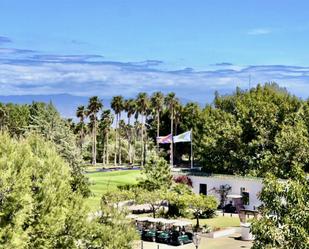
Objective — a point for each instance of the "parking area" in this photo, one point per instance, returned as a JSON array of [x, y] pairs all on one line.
[[231, 242]]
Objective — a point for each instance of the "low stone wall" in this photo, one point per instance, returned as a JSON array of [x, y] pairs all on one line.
[[222, 233]]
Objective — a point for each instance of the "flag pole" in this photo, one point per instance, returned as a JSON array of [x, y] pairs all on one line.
[[191, 150]]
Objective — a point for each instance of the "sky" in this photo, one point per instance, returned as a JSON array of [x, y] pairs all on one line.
[[193, 48]]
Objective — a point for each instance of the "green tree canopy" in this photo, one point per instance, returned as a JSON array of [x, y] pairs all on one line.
[[38, 208], [284, 221], [157, 173]]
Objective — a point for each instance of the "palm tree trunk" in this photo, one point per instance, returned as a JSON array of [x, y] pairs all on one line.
[[119, 144], [174, 145], [172, 152], [129, 141], [94, 143], [104, 149], [92, 147], [142, 140], [107, 154], [116, 141], [81, 137], [133, 150]]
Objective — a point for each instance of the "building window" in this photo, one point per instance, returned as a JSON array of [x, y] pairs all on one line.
[[245, 196], [203, 189]]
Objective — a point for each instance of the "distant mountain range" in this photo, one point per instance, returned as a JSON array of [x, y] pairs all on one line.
[[66, 104]]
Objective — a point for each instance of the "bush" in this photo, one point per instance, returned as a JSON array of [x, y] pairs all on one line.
[[183, 180]]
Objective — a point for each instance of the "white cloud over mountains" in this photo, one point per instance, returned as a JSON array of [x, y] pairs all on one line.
[[88, 75]]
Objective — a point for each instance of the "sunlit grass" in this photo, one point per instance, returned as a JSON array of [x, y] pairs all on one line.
[[108, 181]]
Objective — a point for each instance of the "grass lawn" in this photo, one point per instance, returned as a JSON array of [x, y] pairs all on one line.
[[104, 181], [220, 221]]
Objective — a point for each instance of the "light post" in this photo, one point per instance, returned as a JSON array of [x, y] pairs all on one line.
[[196, 240]]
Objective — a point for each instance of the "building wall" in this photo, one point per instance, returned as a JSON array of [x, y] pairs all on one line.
[[253, 186]]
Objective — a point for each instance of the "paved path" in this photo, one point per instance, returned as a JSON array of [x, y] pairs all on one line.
[[221, 243]]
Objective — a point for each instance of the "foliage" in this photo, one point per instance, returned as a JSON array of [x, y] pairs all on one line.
[[157, 173], [14, 118], [155, 199], [46, 121], [115, 197], [200, 204], [183, 179], [177, 200], [38, 208], [284, 213], [254, 132]]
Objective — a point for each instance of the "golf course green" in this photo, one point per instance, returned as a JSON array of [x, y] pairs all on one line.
[[107, 181]]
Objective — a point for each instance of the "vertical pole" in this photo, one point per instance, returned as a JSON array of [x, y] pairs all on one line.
[[142, 245], [191, 150], [172, 152]]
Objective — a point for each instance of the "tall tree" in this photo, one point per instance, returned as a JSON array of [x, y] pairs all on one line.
[[117, 105], [130, 108], [142, 102], [94, 106], [81, 113], [105, 126], [46, 121], [171, 101], [157, 103], [39, 208]]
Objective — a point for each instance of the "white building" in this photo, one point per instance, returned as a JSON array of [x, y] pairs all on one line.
[[248, 186]]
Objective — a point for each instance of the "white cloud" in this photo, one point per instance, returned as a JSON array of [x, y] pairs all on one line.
[[259, 31], [110, 78]]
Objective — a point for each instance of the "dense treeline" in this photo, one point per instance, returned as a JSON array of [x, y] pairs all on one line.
[[255, 132], [248, 133], [43, 119], [111, 136]]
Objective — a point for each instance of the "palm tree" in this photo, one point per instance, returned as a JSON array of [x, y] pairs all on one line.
[[81, 113], [117, 106], [136, 130], [94, 106], [130, 107], [157, 102], [106, 122], [171, 102], [142, 102]]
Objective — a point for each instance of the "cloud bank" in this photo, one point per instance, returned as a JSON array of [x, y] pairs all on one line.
[[29, 72]]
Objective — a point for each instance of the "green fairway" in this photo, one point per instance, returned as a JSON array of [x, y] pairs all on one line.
[[104, 181]]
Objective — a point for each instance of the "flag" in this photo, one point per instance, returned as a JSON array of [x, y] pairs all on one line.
[[165, 139], [183, 137]]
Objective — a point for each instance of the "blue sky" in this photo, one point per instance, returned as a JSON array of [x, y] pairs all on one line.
[[122, 47]]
